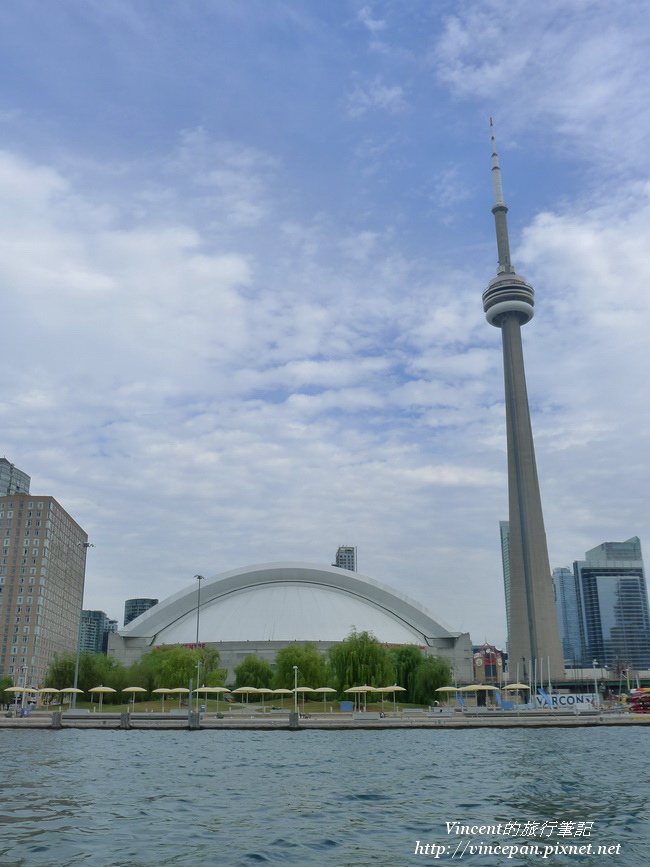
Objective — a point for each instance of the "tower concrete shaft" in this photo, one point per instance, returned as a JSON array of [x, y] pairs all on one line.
[[533, 634]]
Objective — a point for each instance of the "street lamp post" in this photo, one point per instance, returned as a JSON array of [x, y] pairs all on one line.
[[86, 546], [295, 689], [199, 578], [597, 700]]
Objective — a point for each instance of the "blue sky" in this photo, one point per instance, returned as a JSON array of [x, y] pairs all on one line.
[[242, 251]]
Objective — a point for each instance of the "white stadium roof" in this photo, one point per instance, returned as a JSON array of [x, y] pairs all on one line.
[[287, 602]]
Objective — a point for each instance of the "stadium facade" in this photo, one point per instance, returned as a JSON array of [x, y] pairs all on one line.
[[260, 609]]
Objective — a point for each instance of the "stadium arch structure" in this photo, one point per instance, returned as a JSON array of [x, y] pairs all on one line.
[[259, 609]]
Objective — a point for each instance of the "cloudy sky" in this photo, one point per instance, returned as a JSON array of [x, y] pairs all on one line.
[[242, 251]]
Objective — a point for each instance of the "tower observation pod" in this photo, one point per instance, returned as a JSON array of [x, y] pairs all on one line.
[[533, 635]]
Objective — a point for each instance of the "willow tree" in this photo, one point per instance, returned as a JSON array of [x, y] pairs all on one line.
[[172, 665], [431, 673], [253, 671], [312, 666], [359, 660], [406, 661]]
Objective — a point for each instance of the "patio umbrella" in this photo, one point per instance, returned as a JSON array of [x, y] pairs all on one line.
[[101, 690], [162, 692], [245, 690], [215, 690], [517, 686], [180, 691], [70, 690], [447, 689], [394, 688], [133, 690], [303, 690], [48, 690], [264, 691], [282, 692], [18, 689], [359, 691], [324, 690]]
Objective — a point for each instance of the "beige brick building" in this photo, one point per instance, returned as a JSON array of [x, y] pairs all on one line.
[[42, 565]]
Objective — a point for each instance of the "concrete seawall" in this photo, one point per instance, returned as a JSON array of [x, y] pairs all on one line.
[[340, 722]]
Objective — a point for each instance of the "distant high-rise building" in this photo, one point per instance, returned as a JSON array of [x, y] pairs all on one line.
[[346, 558], [135, 607], [12, 480], [569, 615], [508, 302], [93, 626], [42, 566], [614, 603]]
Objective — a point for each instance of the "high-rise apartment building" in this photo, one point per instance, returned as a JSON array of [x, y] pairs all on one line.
[[12, 480], [135, 607], [614, 605], [567, 600], [533, 634], [42, 564], [346, 558]]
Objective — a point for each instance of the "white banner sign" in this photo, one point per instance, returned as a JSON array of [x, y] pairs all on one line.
[[576, 699]]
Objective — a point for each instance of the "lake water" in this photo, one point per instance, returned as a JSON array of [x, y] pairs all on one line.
[[118, 798]]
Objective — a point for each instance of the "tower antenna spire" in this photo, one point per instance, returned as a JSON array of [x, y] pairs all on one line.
[[500, 209]]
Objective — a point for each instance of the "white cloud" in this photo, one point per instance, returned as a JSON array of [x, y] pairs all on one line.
[[567, 69], [375, 95]]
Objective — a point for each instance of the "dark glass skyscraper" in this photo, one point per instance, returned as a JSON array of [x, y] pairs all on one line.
[[614, 603]]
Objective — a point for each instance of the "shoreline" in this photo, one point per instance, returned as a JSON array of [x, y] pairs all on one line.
[[330, 722]]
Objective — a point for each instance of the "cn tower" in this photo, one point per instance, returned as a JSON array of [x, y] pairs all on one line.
[[534, 644]]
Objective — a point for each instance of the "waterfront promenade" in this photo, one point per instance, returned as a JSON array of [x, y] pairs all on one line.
[[326, 721]]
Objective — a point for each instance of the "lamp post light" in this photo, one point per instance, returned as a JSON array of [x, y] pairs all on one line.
[[85, 546], [295, 689], [199, 578], [597, 700]]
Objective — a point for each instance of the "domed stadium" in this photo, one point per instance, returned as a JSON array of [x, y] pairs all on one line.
[[259, 609]]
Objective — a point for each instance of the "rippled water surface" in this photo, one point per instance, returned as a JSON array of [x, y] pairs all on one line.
[[316, 797]]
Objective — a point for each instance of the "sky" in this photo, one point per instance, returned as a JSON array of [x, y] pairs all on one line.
[[242, 252]]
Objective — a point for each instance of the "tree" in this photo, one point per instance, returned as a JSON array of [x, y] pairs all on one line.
[[172, 665], [4, 696], [95, 669], [253, 671], [431, 673], [312, 666], [358, 660], [406, 660]]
